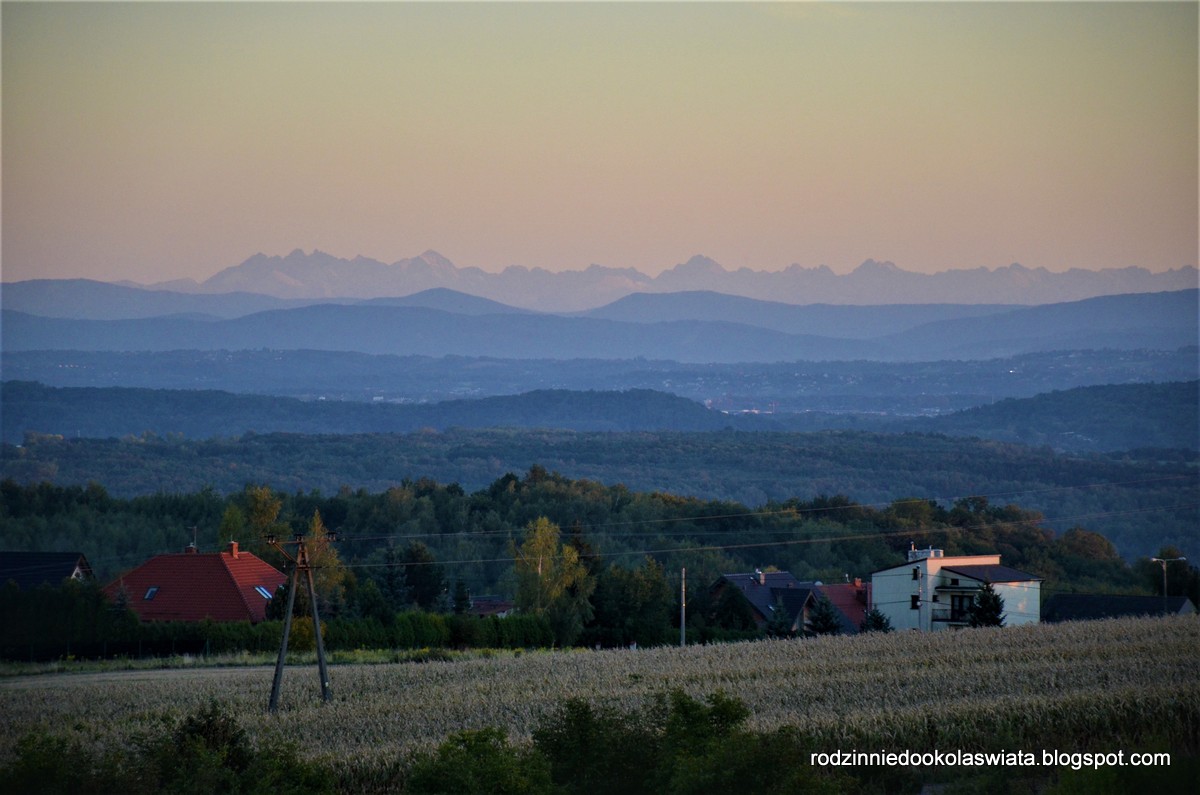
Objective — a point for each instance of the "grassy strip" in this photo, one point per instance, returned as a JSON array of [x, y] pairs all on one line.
[[249, 659]]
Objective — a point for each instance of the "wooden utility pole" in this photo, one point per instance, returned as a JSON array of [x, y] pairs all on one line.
[[683, 607], [299, 563]]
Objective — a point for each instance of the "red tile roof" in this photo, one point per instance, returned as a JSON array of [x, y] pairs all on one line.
[[850, 600], [192, 586]]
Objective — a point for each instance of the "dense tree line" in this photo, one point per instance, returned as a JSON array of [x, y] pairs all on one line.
[[1123, 417], [74, 620], [598, 565]]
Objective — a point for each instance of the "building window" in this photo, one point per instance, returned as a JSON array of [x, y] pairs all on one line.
[[954, 581], [263, 592], [960, 607], [916, 573], [150, 592], [916, 601]]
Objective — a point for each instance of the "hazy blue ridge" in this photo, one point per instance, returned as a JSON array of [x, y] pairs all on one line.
[[904, 388], [1163, 321], [1159, 415]]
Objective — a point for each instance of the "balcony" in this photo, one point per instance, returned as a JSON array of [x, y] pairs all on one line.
[[950, 615]]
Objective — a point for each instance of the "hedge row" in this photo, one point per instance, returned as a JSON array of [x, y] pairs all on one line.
[[408, 630]]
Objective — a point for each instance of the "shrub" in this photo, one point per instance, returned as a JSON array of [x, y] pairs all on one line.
[[479, 763], [676, 744], [208, 751]]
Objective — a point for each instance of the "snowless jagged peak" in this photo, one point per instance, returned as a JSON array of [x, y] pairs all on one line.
[[700, 263], [874, 266], [434, 258]]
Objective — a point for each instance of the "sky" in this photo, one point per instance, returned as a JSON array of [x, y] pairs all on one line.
[[156, 141]]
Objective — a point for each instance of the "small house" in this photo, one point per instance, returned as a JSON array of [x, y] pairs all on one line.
[[230, 585], [768, 592], [932, 591]]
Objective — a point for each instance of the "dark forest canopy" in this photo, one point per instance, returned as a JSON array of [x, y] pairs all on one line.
[[1139, 500]]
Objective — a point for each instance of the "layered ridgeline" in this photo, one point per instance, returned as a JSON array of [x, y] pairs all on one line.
[[1080, 420], [702, 328]]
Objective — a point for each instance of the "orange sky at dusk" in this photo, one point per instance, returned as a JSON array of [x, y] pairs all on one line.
[[154, 141]]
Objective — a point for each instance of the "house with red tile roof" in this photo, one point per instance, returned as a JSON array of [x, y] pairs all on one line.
[[230, 585], [849, 599]]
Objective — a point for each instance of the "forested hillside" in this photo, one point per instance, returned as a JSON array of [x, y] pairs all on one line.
[[1139, 501], [200, 414], [1116, 417]]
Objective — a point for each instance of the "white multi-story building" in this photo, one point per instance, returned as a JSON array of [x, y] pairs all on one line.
[[933, 592]]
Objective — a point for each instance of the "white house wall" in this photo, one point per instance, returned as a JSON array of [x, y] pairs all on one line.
[[892, 591], [1022, 602], [891, 594]]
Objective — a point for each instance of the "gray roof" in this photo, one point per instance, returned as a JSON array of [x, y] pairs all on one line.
[[993, 573], [763, 595], [30, 569], [792, 600], [1086, 607]]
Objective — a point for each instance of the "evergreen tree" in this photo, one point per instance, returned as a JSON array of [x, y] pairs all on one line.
[[733, 611], [462, 598], [631, 606], [424, 577], [823, 619], [987, 609], [875, 621], [392, 581], [781, 621], [369, 602]]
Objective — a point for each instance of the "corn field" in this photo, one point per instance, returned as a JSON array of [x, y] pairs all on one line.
[[1091, 685]]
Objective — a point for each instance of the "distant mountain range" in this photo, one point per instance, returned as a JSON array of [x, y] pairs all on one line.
[[301, 276], [444, 323]]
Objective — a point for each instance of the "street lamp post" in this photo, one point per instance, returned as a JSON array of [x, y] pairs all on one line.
[[1164, 562]]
